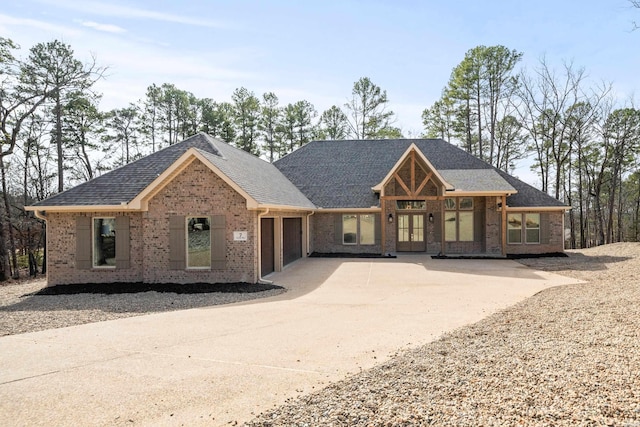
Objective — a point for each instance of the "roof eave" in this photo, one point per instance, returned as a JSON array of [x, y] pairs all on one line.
[[284, 207], [538, 208], [82, 208], [481, 193]]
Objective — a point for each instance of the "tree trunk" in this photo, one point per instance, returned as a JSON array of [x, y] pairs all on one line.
[[7, 209], [58, 140], [619, 233], [581, 207]]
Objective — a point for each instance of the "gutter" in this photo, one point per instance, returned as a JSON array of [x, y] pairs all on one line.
[[40, 214]]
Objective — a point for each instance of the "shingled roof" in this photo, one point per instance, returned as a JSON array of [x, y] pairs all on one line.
[[259, 179], [341, 174], [325, 174]]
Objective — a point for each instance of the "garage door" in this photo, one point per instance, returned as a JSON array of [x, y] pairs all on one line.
[[291, 239]]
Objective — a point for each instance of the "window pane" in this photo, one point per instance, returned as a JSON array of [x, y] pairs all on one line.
[[465, 228], [514, 221], [349, 229], [533, 236], [367, 229], [411, 204], [403, 228], [532, 226], [450, 203], [104, 242], [450, 226], [418, 228], [466, 203], [198, 242], [514, 235], [514, 228], [532, 220]]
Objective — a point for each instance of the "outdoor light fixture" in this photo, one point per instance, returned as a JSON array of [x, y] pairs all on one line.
[[390, 218], [430, 217]]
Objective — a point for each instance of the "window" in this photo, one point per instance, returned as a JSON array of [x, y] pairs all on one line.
[[532, 228], [514, 228], [367, 229], [358, 229], [523, 224], [198, 242], [411, 204], [104, 242], [458, 219], [350, 229]]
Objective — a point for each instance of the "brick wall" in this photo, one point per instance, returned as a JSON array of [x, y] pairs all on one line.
[[554, 230], [324, 236], [493, 227], [194, 192], [61, 251], [199, 192]]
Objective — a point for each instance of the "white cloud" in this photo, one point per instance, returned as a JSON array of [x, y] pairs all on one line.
[[38, 25], [108, 28], [113, 10]]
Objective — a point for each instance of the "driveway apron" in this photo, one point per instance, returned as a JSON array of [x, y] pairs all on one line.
[[225, 364]]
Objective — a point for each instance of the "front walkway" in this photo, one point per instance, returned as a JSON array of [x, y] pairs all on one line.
[[226, 363]]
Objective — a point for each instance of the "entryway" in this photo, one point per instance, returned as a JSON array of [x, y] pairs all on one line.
[[410, 233]]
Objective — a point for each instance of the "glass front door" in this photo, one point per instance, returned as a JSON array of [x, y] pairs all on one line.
[[411, 232]]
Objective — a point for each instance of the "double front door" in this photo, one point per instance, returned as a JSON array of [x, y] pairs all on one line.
[[411, 232]]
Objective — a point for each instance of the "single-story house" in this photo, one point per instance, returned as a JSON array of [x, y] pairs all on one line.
[[204, 211]]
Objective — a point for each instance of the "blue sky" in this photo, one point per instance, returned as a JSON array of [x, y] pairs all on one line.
[[315, 50]]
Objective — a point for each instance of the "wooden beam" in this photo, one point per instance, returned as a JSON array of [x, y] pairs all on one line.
[[424, 183], [504, 225], [383, 225], [413, 172], [442, 236], [414, 198], [402, 184]]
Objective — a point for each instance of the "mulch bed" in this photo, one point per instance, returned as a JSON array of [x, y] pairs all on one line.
[[137, 287], [509, 256], [347, 255]]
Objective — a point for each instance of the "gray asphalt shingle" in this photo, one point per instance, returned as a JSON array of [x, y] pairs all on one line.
[[326, 174], [261, 180], [340, 174]]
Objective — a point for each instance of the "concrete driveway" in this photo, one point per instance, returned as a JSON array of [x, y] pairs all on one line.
[[218, 365]]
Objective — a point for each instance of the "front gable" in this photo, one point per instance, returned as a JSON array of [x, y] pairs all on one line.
[[413, 176], [141, 201]]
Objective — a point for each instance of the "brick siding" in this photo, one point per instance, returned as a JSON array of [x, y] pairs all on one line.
[[196, 191]]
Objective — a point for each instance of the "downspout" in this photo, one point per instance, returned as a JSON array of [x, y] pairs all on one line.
[[40, 215], [308, 231], [260, 279]]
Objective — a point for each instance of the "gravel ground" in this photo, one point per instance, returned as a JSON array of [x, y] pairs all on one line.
[[21, 311], [566, 356]]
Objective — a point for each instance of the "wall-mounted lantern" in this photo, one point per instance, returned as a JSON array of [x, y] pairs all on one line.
[[390, 218], [430, 217]]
